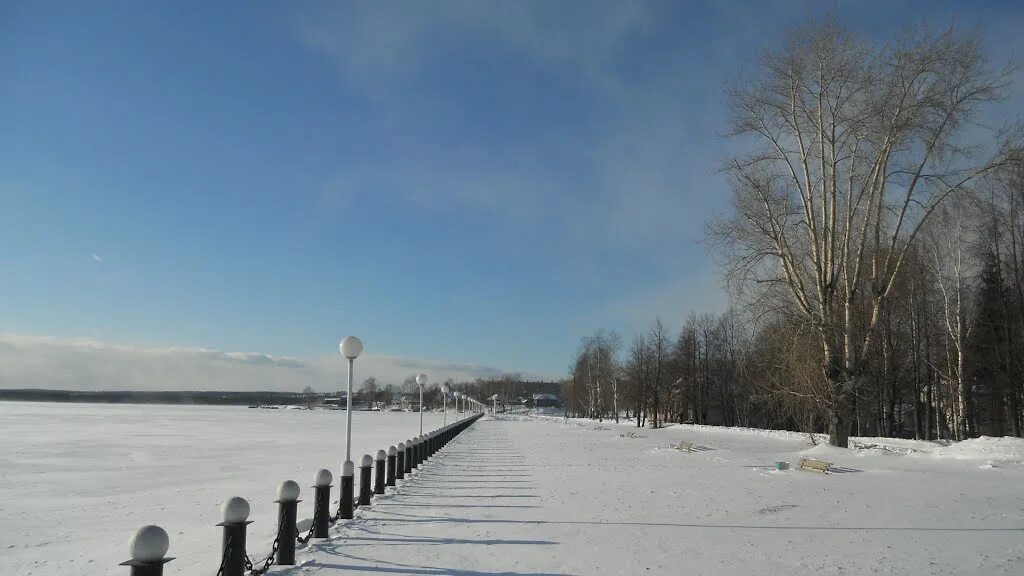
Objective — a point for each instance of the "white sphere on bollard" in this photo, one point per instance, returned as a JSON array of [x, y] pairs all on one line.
[[149, 544], [393, 451], [351, 347], [288, 491], [367, 461], [323, 477], [381, 455], [348, 468], [401, 446], [235, 510]]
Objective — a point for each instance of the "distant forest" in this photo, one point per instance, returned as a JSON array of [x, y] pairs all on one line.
[[138, 397]]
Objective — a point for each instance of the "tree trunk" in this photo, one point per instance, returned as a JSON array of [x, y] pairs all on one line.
[[839, 422]]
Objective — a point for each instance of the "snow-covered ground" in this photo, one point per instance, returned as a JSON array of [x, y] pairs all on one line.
[[521, 495], [511, 495], [76, 480]]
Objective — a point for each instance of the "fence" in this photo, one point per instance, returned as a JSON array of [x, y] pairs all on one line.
[[150, 544]]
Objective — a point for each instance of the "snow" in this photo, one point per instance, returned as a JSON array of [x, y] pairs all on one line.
[[511, 495], [77, 480], [506, 499], [1006, 449]]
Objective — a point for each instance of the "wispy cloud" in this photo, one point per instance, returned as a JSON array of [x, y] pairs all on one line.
[[96, 258], [381, 44], [86, 364]]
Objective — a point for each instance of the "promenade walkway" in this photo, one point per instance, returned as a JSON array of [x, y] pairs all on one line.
[[470, 510], [543, 496]]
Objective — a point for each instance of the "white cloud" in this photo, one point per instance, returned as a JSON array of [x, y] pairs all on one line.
[[86, 364], [96, 258]]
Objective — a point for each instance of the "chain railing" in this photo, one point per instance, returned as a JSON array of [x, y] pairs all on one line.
[[235, 561], [225, 556]]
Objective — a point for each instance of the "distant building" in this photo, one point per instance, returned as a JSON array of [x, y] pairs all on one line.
[[545, 401], [339, 400]]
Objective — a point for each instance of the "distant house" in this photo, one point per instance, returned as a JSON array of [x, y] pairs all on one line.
[[545, 401], [338, 400]]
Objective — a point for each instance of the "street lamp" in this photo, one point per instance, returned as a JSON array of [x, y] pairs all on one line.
[[457, 396], [444, 392], [421, 379], [350, 348]]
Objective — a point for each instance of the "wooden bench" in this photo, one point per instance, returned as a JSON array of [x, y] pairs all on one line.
[[813, 465], [684, 446]]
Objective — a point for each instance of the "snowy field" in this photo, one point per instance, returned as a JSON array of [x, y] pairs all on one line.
[[76, 480], [512, 495]]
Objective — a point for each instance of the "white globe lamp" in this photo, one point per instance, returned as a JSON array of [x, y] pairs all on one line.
[[149, 544], [350, 347]]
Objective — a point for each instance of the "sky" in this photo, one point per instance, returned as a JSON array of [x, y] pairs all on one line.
[[211, 195]]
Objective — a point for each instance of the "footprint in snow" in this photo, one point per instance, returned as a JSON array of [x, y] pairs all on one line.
[[776, 509]]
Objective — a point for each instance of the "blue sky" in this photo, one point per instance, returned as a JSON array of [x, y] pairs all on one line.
[[466, 182]]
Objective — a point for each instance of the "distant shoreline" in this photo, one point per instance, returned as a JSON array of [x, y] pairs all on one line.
[[180, 397]]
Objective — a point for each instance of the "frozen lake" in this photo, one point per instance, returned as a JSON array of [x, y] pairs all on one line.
[[76, 480]]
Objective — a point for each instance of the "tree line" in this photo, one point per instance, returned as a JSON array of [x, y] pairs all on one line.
[[873, 254], [509, 388]]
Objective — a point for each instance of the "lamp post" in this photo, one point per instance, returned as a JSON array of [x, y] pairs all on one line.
[[457, 396], [444, 393], [421, 379], [350, 348]]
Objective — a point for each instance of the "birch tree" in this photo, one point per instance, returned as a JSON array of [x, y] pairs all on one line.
[[947, 241], [852, 146]]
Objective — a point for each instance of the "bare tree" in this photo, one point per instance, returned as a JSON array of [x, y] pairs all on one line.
[[596, 370], [657, 341], [309, 396], [369, 390], [637, 371], [947, 241], [853, 146]]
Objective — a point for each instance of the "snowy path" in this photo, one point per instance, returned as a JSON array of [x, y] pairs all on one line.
[[533, 496]]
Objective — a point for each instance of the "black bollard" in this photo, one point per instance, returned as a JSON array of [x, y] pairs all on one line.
[[400, 462], [322, 503], [364, 480], [392, 456], [378, 472], [345, 506], [148, 547], [287, 505], [416, 446], [236, 513], [409, 453]]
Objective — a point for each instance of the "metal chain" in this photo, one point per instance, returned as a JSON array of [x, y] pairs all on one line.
[[225, 555], [312, 527], [270, 558]]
